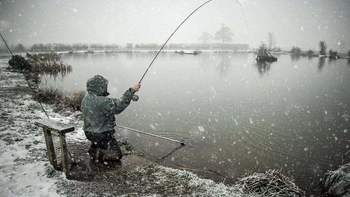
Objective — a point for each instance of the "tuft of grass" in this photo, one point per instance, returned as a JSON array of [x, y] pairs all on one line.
[[49, 96], [74, 101], [56, 97]]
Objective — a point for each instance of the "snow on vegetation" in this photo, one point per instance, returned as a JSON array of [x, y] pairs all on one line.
[[336, 183], [271, 183], [203, 187]]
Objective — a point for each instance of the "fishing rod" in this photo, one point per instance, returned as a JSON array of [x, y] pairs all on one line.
[[30, 87], [136, 98], [8, 48], [171, 35], [151, 134]]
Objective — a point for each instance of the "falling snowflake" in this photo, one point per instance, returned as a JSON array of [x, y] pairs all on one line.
[[201, 128], [152, 126]]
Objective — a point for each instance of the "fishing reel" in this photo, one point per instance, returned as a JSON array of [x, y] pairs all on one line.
[[135, 98]]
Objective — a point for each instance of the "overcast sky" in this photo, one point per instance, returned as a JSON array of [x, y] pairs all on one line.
[[293, 22]]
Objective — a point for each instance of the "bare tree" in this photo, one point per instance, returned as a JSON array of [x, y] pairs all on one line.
[[224, 34]]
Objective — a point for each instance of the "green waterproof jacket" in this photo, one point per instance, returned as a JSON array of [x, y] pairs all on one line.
[[99, 110]]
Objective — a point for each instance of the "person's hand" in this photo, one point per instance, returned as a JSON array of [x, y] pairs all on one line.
[[136, 87]]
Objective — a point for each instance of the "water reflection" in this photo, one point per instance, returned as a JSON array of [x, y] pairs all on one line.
[[225, 64], [321, 62], [294, 57], [263, 67]]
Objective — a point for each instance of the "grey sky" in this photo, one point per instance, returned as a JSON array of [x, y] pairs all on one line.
[[293, 22]]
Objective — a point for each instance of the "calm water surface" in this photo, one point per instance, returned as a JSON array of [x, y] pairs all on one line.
[[236, 116]]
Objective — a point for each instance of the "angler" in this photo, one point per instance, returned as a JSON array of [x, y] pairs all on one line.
[[99, 119]]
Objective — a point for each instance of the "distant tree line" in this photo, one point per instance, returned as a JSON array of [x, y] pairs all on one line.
[[20, 48], [223, 35], [180, 46], [56, 47]]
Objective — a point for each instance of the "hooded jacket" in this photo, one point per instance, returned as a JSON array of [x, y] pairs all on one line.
[[99, 110]]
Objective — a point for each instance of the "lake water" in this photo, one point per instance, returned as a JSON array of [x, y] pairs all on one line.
[[237, 116]]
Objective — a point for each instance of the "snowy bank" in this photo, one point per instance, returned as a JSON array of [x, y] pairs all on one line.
[[22, 151]]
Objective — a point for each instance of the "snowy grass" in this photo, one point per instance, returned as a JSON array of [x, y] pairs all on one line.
[[53, 96], [22, 152], [23, 163], [203, 187]]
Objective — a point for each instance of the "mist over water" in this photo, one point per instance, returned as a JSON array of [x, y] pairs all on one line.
[[235, 115], [295, 23]]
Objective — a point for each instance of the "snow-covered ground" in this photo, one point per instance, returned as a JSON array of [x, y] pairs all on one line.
[[23, 161]]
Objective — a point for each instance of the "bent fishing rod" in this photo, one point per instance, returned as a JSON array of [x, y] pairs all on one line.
[[171, 35], [136, 98]]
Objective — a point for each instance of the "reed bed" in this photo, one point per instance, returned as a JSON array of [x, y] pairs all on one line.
[[49, 63]]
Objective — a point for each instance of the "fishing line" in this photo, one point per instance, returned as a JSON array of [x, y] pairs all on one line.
[[151, 134], [171, 152]]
